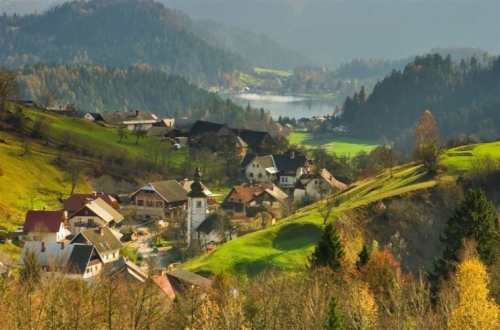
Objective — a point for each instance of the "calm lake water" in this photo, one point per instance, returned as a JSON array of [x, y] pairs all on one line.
[[291, 106]]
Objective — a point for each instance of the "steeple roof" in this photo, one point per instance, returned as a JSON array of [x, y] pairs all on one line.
[[196, 186]]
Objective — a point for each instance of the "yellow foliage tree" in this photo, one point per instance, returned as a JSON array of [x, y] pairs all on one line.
[[475, 309], [360, 308]]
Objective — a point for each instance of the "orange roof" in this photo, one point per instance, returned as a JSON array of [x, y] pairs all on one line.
[[247, 193]]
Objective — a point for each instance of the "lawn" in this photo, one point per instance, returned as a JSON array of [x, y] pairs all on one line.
[[341, 146], [275, 72], [462, 158], [287, 245]]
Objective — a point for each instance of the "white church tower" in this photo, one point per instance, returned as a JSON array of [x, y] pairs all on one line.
[[197, 207]]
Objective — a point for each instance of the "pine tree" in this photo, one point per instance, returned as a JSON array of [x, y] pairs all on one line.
[[473, 218], [335, 319], [363, 257], [329, 251]]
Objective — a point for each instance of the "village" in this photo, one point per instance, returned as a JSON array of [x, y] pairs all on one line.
[[164, 223]]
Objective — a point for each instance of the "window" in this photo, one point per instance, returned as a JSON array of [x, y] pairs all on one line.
[[36, 238], [250, 175], [150, 203], [253, 165], [260, 175], [232, 199], [90, 221], [315, 181], [140, 202], [257, 165], [159, 204], [198, 204], [114, 255]]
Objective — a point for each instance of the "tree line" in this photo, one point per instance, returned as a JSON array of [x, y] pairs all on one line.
[[462, 96]]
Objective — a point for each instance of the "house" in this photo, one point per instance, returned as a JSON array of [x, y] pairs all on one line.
[[72, 260], [126, 269], [240, 198], [284, 170], [95, 213], [167, 122], [48, 226], [178, 281], [159, 200], [289, 168], [91, 116], [76, 201], [242, 139], [316, 186], [130, 119], [103, 239]]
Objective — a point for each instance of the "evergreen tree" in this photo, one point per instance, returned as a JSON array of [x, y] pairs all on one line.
[[363, 257], [335, 319], [473, 218], [329, 251]]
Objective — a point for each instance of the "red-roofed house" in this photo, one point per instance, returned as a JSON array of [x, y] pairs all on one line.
[[264, 194], [76, 201], [47, 226]]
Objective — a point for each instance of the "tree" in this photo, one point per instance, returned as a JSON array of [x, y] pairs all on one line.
[[329, 251], [475, 309], [73, 173], [40, 128], [122, 134], [9, 87], [325, 209], [335, 320], [47, 99], [363, 257], [427, 149], [473, 218], [139, 132]]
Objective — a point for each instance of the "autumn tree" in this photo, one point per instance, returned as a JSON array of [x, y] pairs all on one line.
[[329, 251], [47, 99], [427, 148], [475, 309], [473, 218], [9, 86]]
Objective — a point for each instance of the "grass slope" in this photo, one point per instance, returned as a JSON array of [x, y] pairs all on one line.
[[286, 245], [341, 146]]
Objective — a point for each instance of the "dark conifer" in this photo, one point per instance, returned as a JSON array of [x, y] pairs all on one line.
[[329, 251]]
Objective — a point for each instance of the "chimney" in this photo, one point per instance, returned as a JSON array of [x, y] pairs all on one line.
[[292, 154], [62, 245], [94, 193], [43, 246], [45, 207], [137, 113], [101, 231]]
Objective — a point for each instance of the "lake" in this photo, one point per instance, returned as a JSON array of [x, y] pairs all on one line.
[[291, 106]]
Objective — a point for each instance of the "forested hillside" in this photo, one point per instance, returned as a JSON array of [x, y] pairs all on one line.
[[115, 33], [258, 49], [100, 88], [464, 99]]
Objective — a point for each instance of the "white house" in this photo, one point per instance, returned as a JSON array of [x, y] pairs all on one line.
[[71, 260], [94, 214], [104, 240], [48, 226], [316, 186]]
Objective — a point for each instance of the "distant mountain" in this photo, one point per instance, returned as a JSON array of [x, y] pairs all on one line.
[[258, 49], [331, 32], [116, 33]]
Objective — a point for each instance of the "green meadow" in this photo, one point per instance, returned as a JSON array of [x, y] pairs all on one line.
[[341, 145]]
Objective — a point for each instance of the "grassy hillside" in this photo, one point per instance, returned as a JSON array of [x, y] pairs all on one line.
[[287, 245], [341, 145]]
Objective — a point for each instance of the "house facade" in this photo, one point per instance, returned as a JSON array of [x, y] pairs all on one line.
[[316, 186], [94, 214], [76, 201], [47, 226], [159, 200], [104, 240], [71, 260]]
